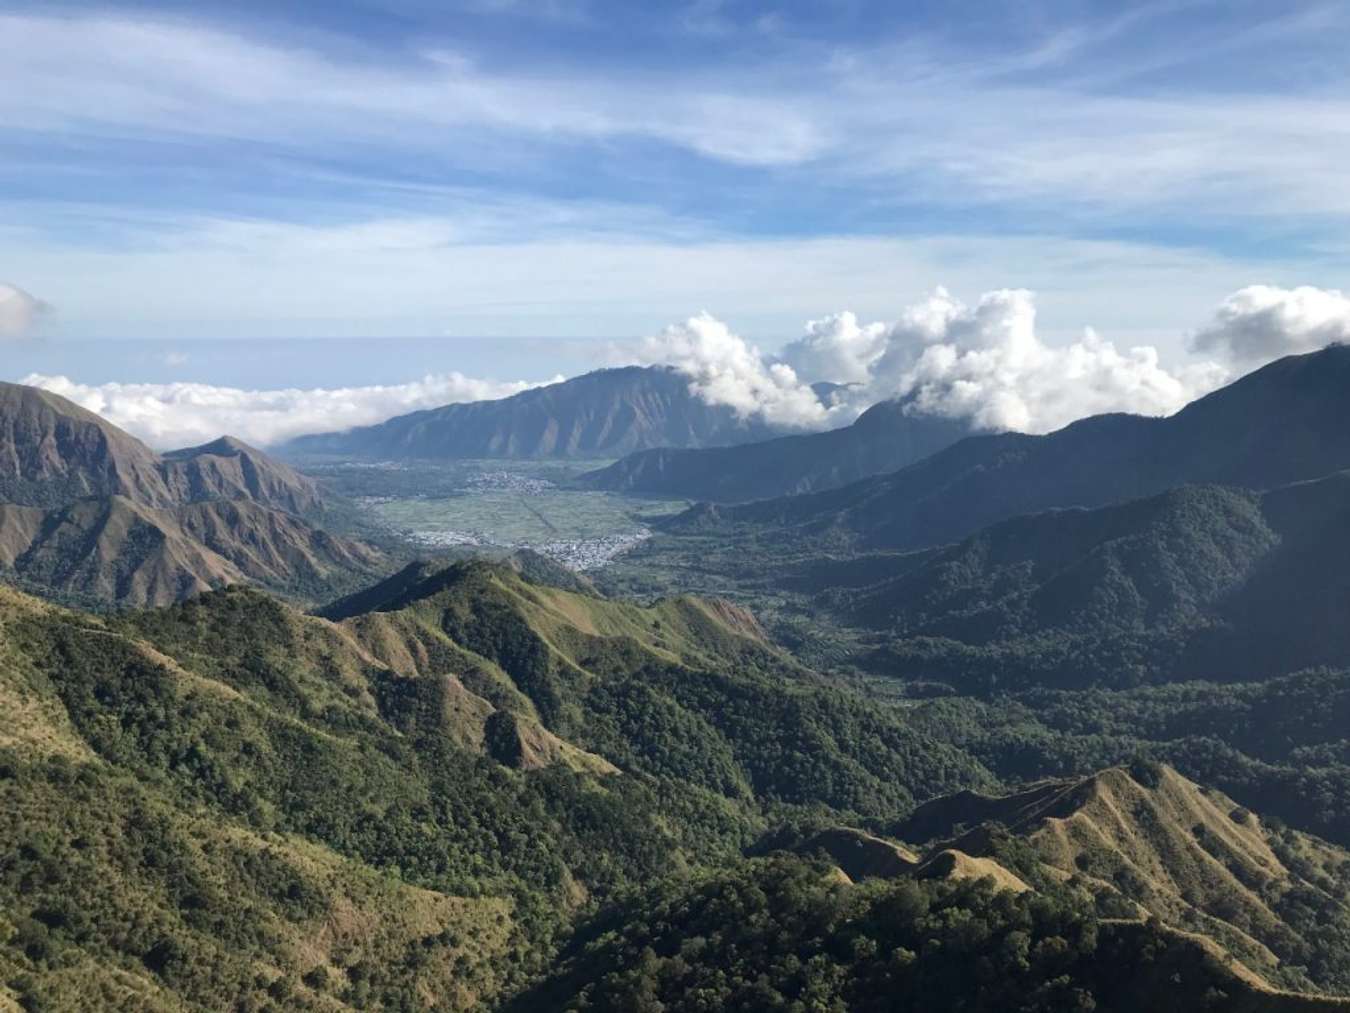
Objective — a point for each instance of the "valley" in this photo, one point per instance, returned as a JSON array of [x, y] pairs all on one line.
[[495, 504], [523, 743], [563, 506]]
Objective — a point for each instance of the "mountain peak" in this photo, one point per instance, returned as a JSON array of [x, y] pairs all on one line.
[[53, 451], [604, 413], [224, 446]]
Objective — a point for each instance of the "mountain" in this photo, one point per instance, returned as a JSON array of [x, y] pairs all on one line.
[[1132, 890], [1147, 842], [52, 452], [1200, 581], [228, 803], [479, 791], [605, 413], [91, 514], [229, 469], [883, 439], [1283, 423]]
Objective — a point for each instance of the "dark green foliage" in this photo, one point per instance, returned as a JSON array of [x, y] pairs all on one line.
[[783, 934], [254, 717], [1198, 582]]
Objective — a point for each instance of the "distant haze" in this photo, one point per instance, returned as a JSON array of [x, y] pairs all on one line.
[[983, 362]]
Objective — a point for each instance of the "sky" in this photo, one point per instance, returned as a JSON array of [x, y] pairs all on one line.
[[271, 196]]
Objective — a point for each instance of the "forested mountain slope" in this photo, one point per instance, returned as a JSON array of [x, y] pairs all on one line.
[[248, 778], [1199, 582], [886, 437], [1286, 422]]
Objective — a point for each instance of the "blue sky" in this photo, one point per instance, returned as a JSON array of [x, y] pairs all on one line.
[[180, 171]]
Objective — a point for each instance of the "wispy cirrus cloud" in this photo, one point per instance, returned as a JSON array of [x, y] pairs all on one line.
[[608, 181], [1061, 116], [226, 84]]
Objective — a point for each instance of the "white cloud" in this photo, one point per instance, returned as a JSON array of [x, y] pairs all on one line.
[[168, 415], [940, 122], [19, 312], [1263, 322], [984, 363], [724, 369], [150, 77], [836, 348]]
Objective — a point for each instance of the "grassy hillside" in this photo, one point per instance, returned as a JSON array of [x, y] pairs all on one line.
[[435, 791], [1277, 746], [1147, 842], [460, 796]]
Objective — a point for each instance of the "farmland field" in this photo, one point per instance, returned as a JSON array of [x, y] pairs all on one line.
[[498, 503]]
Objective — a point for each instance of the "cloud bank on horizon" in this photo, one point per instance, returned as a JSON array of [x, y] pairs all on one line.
[[171, 415], [982, 362]]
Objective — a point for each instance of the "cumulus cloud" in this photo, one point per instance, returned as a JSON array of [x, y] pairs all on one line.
[[724, 369], [1262, 322], [836, 348], [19, 311], [984, 363], [168, 415]]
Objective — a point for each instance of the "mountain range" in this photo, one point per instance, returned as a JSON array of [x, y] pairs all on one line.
[[605, 413], [1280, 424], [1201, 581], [1088, 751], [886, 437], [89, 512], [475, 790], [408, 801]]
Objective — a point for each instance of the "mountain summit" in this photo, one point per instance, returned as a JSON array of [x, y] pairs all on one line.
[[90, 512], [52, 451]]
